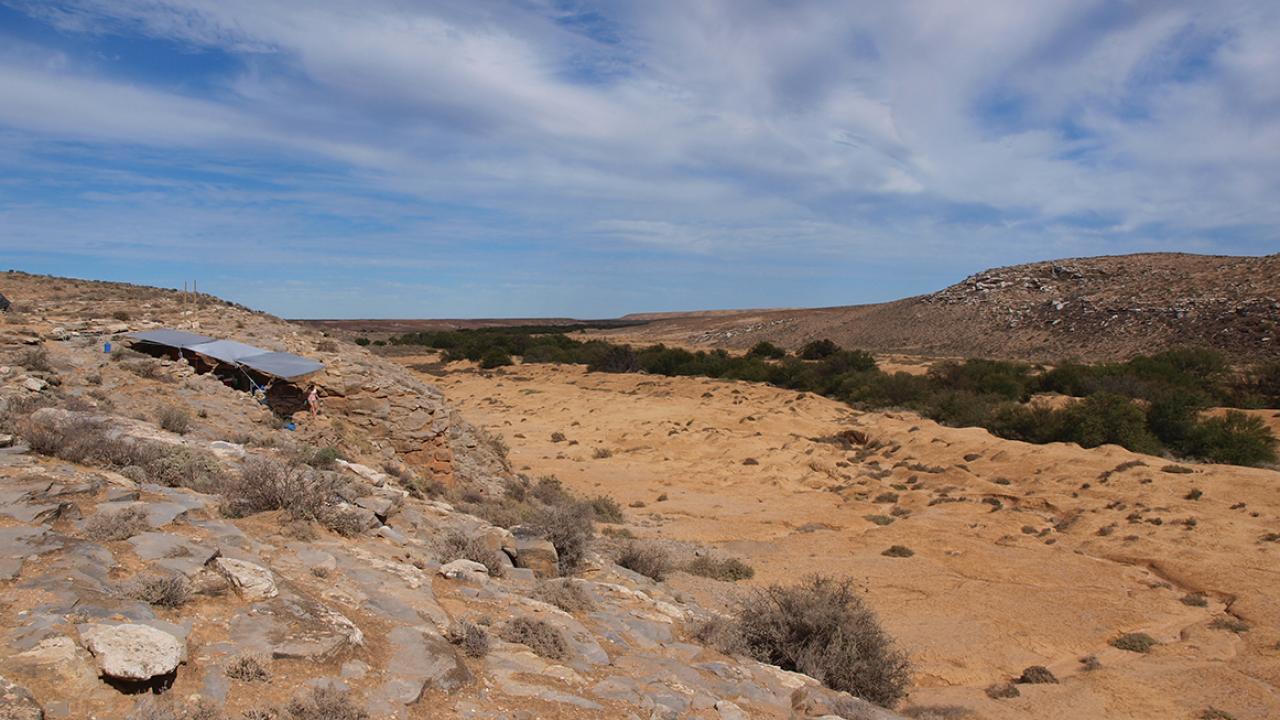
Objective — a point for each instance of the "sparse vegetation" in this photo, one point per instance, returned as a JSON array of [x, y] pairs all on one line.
[[1138, 642], [471, 638], [1174, 387], [169, 590], [35, 359], [1037, 675], [898, 551], [647, 559], [249, 668], [165, 707], [539, 636], [324, 703], [175, 419], [565, 594], [822, 628], [1195, 599], [1229, 624], [726, 569], [455, 545], [105, 526], [606, 509], [1003, 691]]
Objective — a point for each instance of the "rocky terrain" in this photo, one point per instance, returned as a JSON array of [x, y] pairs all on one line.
[[984, 557], [1101, 308], [170, 551]]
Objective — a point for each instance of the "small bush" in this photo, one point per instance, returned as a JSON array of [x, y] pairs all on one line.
[[601, 453], [120, 315], [147, 368], [822, 628], [565, 594], [36, 360], [1230, 624], [818, 349], [455, 545], [1234, 438], [538, 635], [1213, 713], [473, 639], [326, 346], [324, 703], [1037, 675], [766, 349], [249, 668], [1195, 599], [323, 458], [557, 437], [165, 707], [936, 712], [648, 560], [606, 509], [898, 551], [265, 484], [123, 524], [726, 569], [570, 530], [1135, 642], [1089, 663], [174, 419], [494, 358], [169, 590]]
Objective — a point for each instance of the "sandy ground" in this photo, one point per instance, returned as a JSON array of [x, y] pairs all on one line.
[[1024, 554]]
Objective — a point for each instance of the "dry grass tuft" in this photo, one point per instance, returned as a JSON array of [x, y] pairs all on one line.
[[565, 594], [473, 639], [249, 668], [539, 636], [120, 525], [169, 590]]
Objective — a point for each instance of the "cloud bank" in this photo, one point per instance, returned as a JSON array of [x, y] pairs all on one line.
[[552, 157]]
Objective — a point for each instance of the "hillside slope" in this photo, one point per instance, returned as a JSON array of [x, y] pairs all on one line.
[[163, 533], [1098, 308]]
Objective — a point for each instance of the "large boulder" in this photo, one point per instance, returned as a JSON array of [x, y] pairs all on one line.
[[538, 555], [132, 652]]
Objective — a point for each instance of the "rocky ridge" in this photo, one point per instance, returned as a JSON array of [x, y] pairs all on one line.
[[114, 587]]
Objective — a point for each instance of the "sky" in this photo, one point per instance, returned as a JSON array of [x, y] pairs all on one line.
[[412, 158]]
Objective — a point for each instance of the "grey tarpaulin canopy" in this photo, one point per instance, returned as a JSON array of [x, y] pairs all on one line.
[[225, 350], [170, 338], [283, 365]]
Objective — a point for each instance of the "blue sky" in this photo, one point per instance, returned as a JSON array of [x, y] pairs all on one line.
[[401, 158]]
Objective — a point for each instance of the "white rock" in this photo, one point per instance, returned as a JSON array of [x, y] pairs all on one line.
[[465, 570], [252, 581], [227, 449], [132, 652], [34, 384]]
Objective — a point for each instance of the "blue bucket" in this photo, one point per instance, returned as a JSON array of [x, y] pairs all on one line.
[[106, 347]]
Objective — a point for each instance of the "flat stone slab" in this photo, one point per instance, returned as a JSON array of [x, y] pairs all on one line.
[[251, 581], [132, 652]]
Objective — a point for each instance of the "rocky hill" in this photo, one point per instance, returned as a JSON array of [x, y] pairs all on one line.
[[170, 551], [1097, 308]]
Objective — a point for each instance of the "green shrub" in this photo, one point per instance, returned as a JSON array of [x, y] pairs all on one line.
[[606, 509], [1235, 438], [767, 350], [493, 358], [818, 349]]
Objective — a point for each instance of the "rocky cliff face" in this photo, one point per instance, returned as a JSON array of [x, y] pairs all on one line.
[[162, 533]]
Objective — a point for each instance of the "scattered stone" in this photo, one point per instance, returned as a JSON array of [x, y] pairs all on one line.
[[463, 569], [16, 703]]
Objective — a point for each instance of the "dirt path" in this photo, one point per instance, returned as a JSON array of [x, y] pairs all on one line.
[[1023, 555]]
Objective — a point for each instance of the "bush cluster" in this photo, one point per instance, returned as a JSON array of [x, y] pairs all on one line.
[[1147, 404]]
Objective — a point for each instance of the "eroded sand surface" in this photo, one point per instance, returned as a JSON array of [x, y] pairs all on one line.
[[1024, 555]]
